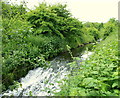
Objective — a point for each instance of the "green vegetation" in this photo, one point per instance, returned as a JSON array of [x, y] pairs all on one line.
[[97, 76], [30, 38]]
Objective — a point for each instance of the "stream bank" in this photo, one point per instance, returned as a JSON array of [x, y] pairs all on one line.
[[43, 82]]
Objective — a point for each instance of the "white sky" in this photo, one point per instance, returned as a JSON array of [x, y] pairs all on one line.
[[86, 10]]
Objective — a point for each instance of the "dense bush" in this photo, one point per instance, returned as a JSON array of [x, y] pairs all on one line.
[[110, 26], [55, 20], [19, 56], [10, 11], [48, 46]]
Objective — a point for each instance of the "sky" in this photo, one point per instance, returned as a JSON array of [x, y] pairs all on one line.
[[85, 10]]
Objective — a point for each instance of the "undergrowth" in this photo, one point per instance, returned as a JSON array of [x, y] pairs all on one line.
[[97, 76]]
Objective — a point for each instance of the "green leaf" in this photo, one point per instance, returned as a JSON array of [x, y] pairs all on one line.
[[115, 84], [94, 72]]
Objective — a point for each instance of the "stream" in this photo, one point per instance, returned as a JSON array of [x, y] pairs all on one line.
[[43, 82]]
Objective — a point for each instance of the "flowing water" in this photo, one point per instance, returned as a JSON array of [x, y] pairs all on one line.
[[43, 82]]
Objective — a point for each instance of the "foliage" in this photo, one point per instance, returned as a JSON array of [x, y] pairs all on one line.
[[10, 11], [97, 76], [46, 19], [31, 38], [110, 26], [48, 46], [19, 56], [51, 20]]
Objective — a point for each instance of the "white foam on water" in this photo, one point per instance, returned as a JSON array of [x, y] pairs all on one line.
[[41, 82], [86, 55]]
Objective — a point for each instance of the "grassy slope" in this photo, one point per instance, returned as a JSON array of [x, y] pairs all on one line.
[[97, 76]]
